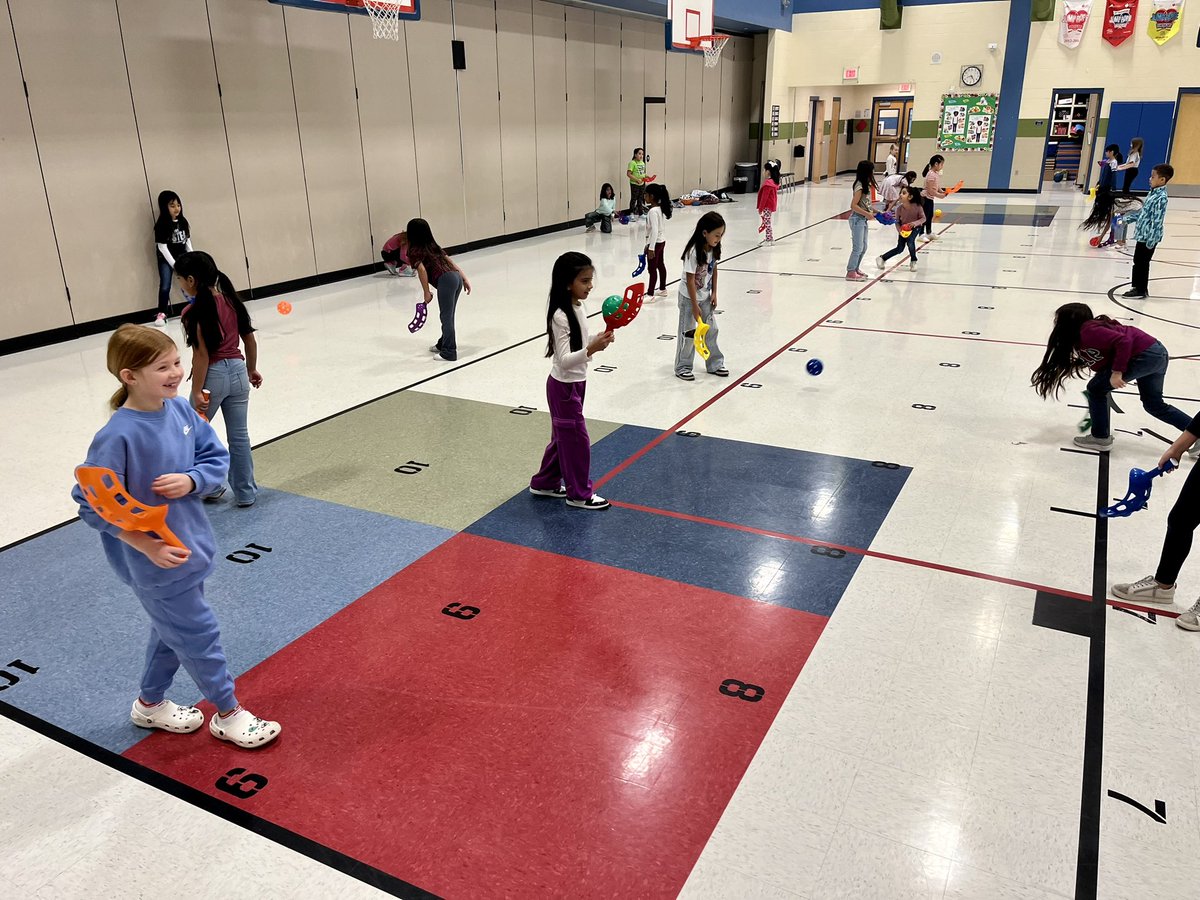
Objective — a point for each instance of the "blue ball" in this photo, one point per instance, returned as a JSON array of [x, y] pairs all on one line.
[[815, 366]]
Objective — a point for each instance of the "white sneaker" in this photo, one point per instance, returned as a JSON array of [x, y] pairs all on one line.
[[160, 321], [1090, 442], [912, 266], [1145, 591], [1190, 620], [1194, 450], [392, 268], [879, 261]]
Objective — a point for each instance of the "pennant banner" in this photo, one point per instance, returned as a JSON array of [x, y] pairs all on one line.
[[1074, 20], [1166, 18], [1119, 16]]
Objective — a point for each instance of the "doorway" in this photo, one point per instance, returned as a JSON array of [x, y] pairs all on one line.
[[891, 123], [835, 129], [1185, 137], [654, 137], [1071, 138], [817, 141]]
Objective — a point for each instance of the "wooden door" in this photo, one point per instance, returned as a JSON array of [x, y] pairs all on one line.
[[1184, 157], [835, 126]]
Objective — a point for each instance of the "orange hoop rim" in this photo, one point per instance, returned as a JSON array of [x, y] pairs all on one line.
[[716, 40]]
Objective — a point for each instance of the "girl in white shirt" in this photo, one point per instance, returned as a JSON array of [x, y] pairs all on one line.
[[658, 198], [568, 458], [892, 164], [698, 297]]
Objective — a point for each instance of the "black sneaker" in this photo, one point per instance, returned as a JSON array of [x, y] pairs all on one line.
[[686, 376], [593, 502], [1134, 295], [722, 372], [559, 493]]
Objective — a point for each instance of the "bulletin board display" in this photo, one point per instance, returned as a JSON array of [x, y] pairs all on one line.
[[968, 121]]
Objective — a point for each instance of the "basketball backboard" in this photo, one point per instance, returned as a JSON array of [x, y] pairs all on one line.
[[408, 9], [688, 19]]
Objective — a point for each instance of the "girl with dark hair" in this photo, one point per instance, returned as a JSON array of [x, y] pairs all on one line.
[[604, 210], [933, 191], [214, 323], [768, 196], [860, 212], [1132, 163], [437, 272], [566, 464], [909, 218], [698, 297], [1100, 217], [636, 173], [656, 240], [1118, 354], [172, 238]]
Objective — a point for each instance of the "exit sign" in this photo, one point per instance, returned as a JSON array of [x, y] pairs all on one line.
[[905, 89], [850, 73]]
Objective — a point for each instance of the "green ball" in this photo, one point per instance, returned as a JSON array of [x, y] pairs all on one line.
[[611, 305]]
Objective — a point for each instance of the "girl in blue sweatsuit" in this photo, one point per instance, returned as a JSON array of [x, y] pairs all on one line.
[[161, 449]]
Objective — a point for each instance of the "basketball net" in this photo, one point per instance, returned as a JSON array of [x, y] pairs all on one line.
[[712, 49], [385, 19]]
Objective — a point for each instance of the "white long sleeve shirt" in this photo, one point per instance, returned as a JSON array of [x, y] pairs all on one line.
[[656, 226], [569, 365]]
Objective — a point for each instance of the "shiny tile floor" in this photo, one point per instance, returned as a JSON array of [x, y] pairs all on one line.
[[936, 741]]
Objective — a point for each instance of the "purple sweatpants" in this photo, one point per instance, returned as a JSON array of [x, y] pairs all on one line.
[[568, 457]]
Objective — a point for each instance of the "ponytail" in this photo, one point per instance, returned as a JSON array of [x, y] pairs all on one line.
[[933, 161]]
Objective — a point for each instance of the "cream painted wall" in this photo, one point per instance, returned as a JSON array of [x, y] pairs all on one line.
[[417, 138], [959, 31]]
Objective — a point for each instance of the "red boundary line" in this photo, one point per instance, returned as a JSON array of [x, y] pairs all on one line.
[[949, 337], [890, 557], [736, 383]]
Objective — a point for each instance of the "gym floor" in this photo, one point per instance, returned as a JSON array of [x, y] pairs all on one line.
[[833, 640]]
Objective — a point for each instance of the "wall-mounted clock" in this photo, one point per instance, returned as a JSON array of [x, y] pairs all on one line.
[[971, 75]]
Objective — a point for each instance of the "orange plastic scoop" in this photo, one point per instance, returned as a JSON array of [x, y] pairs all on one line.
[[108, 497], [954, 190]]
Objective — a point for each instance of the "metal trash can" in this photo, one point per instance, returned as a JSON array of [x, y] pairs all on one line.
[[748, 171]]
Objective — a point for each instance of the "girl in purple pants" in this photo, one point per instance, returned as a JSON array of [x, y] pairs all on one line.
[[567, 461]]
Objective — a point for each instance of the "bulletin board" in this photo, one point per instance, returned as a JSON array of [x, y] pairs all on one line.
[[968, 121]]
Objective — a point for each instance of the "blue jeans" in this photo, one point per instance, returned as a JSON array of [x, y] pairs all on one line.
[[685, 350], [1149, 369], [230, 387], [909, 243], [449, 287], [165, 273], [858, 235]]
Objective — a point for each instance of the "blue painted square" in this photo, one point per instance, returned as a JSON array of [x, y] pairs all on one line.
[[66, 613], [813, 495]]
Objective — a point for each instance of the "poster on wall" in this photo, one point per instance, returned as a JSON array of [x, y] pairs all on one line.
[[968, 121], [1166, 19], [1074, 19], [1119, 16]]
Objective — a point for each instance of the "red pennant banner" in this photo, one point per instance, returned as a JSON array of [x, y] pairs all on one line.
[[1119, 16]]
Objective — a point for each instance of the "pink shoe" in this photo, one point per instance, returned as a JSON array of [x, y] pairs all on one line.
[[855, 276]]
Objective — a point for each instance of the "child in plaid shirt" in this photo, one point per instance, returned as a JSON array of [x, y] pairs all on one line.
[[1149, 230]]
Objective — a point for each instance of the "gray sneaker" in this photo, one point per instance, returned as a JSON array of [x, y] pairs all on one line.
[[1190, 620], [1145, 591], [1089, 442]]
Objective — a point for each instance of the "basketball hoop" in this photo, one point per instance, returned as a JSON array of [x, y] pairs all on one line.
[[385, 19], [711, 44]]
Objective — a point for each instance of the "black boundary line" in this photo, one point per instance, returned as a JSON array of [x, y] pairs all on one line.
[[1087, 867], [235, 815], [414, 384], [1073, 512], [1112, 295], [1159, 436], [1077, 450], [1165, 397]]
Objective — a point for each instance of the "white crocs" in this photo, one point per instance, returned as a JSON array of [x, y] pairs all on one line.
[[244, 729], [168, 716]]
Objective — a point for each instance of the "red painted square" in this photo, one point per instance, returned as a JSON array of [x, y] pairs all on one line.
[[570, 740]]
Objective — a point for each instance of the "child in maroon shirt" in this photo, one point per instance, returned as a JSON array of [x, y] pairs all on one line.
[[1118, 354]]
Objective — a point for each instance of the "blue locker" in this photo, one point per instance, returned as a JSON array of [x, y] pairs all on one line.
[[1149, 121]]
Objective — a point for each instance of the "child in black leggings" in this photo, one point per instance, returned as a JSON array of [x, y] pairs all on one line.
[[1181, 523]]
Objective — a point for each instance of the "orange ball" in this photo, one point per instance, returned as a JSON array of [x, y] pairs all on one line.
[[284, 307]]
